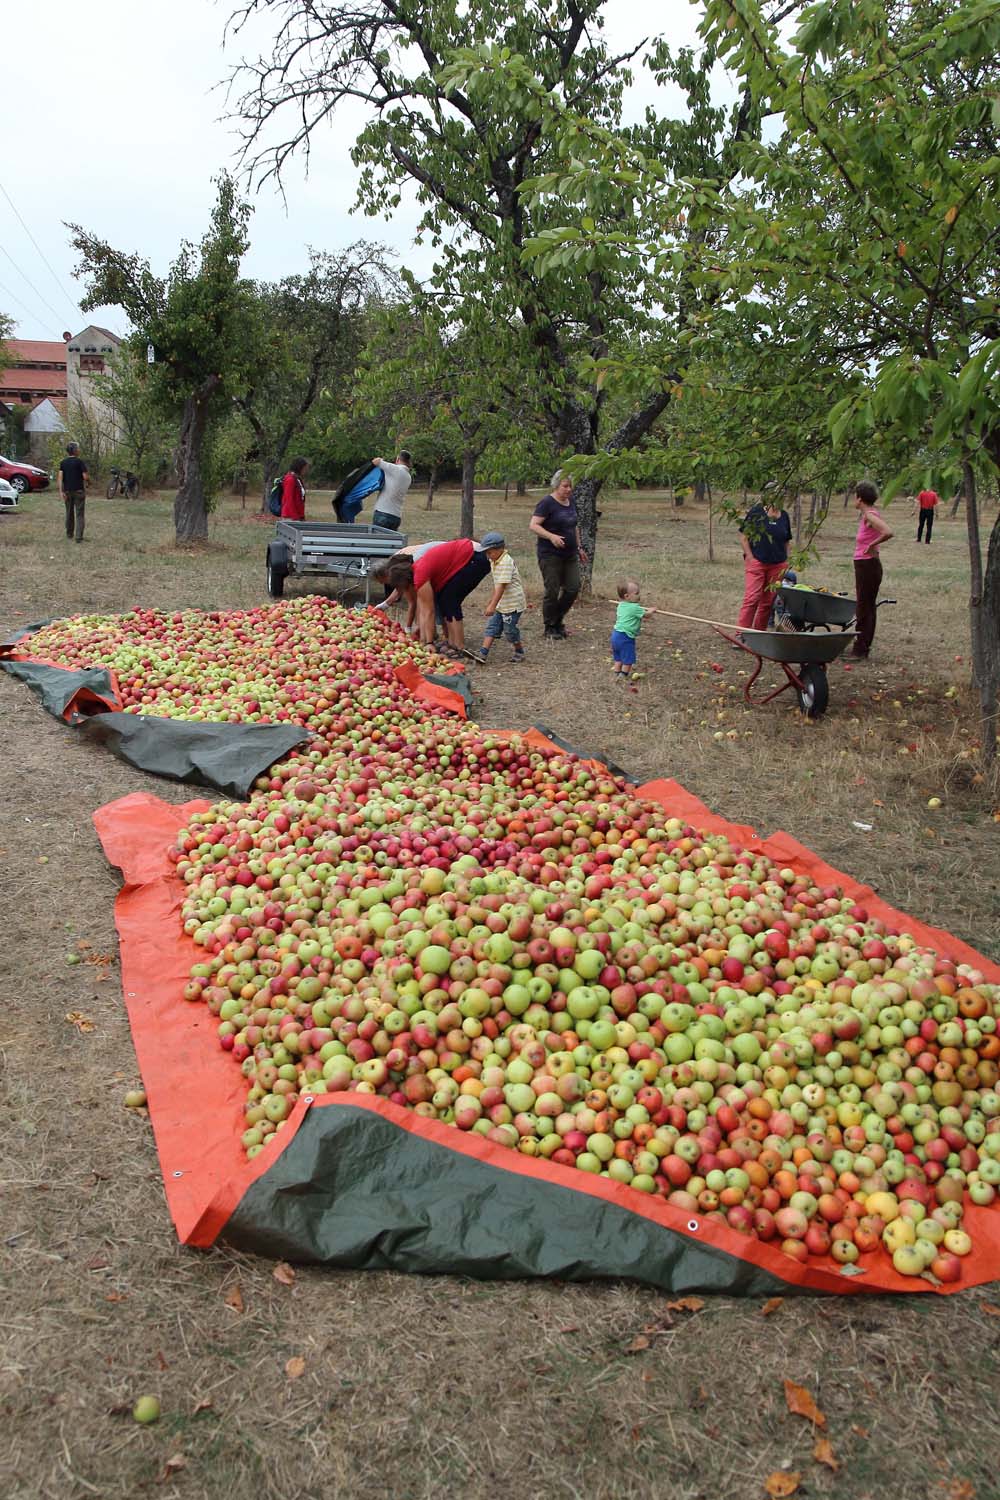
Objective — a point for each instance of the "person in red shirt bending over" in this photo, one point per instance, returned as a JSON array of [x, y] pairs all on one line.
[[293, 491], [927, 500], [437, 582]]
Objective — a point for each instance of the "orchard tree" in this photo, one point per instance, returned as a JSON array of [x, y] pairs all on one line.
[[311, 332], [880, 210], [143, 435], [200, 321], [451, 121], [453, 392], [870, 221]]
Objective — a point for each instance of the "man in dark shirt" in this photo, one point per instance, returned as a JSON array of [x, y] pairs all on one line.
[[73, 481]]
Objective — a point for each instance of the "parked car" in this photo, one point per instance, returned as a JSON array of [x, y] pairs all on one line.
[[23, 476], [8, 496]]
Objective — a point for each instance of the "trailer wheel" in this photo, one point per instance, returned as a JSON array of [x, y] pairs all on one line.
[[277, 572], [814, 694]]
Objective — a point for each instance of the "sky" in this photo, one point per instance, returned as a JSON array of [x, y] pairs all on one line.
[[117, 123]]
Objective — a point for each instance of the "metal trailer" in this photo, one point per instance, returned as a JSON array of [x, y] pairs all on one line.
[[330, 549]]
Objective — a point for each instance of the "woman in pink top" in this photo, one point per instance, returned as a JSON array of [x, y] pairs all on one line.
[[872, 532]]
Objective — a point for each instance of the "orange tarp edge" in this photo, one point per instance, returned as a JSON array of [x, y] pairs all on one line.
[[410, 675], [196, 1093], [84, 702]]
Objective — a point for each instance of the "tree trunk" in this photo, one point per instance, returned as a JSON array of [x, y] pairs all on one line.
[[585, 499], [798, 519], [711, 549], [984, 616], [955, 504], [521, 488], [468, 521], [700, 488], [847, 497], [812, 509], [506, 491], [190, 510], [432, 484]]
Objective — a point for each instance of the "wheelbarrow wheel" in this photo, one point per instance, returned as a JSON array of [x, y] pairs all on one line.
[[814, 694]]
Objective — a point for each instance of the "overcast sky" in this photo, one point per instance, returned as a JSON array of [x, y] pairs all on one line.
[[114, 121]]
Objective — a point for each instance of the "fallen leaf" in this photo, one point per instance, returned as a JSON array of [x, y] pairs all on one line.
[[990, 1309], [295, 1367], [570, 1328], [637, 1345], [175, 1462], [861, 1432], [801, 1404], [961, 1489], [115, 1296], [161, 1361], [687, 1304], [205, 1404], [771, 1306], [779, 1484], [98, 1263], [823, 1454], [234, 1298], [79, 1020], [284, 1273]]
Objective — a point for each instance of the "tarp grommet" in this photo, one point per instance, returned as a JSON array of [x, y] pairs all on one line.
[[308, 1098], [178, 1173], [692, 1224]]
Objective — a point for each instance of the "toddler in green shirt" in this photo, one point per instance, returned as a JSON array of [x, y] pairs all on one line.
[[628, 623]]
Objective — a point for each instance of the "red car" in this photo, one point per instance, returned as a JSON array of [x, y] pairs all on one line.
[[23, 476]]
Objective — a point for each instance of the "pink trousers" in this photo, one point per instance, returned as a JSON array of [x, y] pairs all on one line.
[[757, 596]]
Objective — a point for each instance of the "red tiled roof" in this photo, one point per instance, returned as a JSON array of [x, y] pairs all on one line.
[[39, 382], [36, 352]]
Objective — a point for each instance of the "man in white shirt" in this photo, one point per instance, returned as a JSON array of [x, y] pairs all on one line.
[[389, 503]]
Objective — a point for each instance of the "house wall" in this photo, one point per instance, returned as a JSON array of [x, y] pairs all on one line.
[[89, 355]]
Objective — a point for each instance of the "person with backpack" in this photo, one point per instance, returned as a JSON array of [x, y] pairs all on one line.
[[293, 491]]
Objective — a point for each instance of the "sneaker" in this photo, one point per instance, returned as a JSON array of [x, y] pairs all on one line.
[[479, 656], [518, 656], [552, 635]]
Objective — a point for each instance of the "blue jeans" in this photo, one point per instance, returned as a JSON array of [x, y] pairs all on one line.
[[387, 522], [498, 625]]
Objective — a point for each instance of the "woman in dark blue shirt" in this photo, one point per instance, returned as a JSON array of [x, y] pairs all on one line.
[[556, 525]]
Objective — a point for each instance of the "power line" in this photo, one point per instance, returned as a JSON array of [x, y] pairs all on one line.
[[14, 298], [25, 277], [38, 247]]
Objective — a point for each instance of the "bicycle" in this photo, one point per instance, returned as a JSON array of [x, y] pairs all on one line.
[[126, 484]]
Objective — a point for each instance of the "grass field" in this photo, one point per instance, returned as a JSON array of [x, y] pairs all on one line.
[[411, 1387]]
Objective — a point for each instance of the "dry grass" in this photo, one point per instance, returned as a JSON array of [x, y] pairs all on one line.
[[415, 1388]]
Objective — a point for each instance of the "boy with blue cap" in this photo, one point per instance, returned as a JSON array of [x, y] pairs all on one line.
[[508, 601]]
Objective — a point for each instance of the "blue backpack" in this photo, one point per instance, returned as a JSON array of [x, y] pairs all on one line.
[[274, 498]]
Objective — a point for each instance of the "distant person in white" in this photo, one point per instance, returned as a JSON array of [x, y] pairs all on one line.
[[389, 504]]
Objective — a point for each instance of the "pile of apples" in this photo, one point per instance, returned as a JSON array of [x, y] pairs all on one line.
[[291, 662], [508, 940]]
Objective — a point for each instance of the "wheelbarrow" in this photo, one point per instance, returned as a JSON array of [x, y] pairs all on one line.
[[809, 609], [812, 609], [802, 657]]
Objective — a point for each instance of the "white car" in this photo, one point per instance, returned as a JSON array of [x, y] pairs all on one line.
[[8, 496]]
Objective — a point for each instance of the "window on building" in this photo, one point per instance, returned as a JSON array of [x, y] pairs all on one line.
[[91, 364]]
